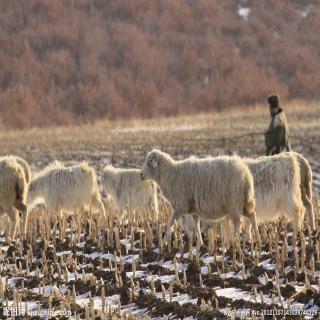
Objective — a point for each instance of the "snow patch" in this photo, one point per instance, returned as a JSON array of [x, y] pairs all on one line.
[[244, 12]]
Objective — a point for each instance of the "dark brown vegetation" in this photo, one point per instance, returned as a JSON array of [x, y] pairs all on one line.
[[67, 61]]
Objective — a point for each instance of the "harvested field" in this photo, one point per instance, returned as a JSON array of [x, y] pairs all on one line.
[[88, 268]]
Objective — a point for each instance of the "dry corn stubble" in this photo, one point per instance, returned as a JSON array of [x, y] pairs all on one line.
[[89, 254]]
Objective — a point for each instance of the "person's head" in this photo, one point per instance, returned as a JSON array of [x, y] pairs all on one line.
[[273, 101]]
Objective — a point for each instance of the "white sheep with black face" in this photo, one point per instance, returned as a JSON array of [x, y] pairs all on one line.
[[210, 188], [128, 191]]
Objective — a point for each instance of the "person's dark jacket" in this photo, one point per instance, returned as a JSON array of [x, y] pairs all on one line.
[[277, 135]]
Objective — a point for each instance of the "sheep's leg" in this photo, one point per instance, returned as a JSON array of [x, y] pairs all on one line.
[[155, 207], [120, 214], [24, 224], [125, 215], [214, 227], [56, 215], [198, 229], [236, 223], [297, 221], [53, 219], [176, 215], [253, 220], [154, 210], [99, 205], [295, 210], [2, 228], [236, 226], [102, 208], [188, 223], [228, 228], [214, 233], [14, 218], [309, 207], [246, 225], [225, 229]]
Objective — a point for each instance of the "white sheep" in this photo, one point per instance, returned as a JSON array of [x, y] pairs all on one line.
[[23, 163], [210, 188], [306, 186], [65, 189], [164, 205], [13, 192], [277, 188], [282, 185], [27, 173], [128, 191]]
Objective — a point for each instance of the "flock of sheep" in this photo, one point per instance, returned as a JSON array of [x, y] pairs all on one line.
[[242, 190]]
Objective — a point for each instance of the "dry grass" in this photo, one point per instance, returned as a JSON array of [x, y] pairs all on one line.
[[128, 141], [93, 252]]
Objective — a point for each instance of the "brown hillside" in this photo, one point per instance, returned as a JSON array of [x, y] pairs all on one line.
[[67, 61]]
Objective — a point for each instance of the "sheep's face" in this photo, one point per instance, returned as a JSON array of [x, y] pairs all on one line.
[[150, 168]]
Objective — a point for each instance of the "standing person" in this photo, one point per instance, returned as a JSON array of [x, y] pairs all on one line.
[[277, 135]]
